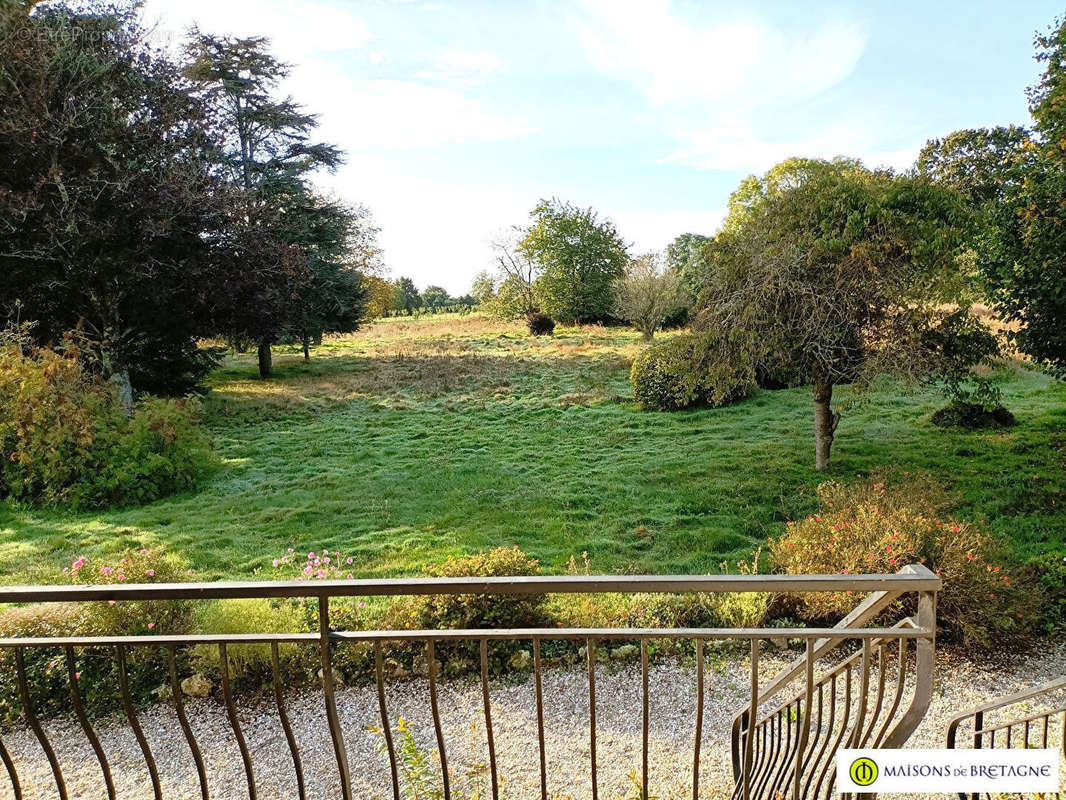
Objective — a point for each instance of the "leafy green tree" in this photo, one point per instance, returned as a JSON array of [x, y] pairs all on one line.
[[836, 270], [483, 288], [407, 298], [107, 200], [516, 275], [580, 257], [435, 298], [333, 238], [267, 153], [648, 294], [1015, 180], [687, 256]]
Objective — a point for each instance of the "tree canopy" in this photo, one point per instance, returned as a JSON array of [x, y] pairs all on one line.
[[836, 270], [1015, 181], [579, 257]]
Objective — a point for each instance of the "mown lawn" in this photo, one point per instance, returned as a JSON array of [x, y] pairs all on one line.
[[415, 440]]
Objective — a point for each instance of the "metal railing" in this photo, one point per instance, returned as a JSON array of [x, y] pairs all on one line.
[[790, 751], [1011, 721], [771, 759]]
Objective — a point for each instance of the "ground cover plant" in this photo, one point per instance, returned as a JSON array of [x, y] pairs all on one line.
[[446, 435]]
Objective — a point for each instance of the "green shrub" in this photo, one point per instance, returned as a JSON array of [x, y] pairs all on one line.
[[879, 526], [1048, 574], [46, 669], [540, 324], [690, 370], [973, 416], [245, 615], [476, 610], [63, 440], [135, 617]]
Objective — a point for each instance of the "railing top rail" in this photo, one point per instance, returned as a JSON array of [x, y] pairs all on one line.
[[473, 634], [1004, 702], [519, 585]]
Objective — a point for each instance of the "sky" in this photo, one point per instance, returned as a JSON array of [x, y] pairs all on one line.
[[457, 117]]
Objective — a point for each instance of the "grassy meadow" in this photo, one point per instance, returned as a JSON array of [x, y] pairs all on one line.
[[416, 439]]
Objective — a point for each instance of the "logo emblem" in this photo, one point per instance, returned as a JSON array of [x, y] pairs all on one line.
[[863, 771]]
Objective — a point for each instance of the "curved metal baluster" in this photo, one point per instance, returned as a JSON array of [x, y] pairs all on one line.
[[87, 728], [786, 754], [231, 712], [12, 773], [879, 702], [379, 672], [699, 722], [488, 718], [540, 720], [431, 669], [279, 701], [31, 720], [901, 674], [590, 653], [828, 736], [809, 757], [645, 719], [183, 720], [845, 717], [131, 715], [766, 768]]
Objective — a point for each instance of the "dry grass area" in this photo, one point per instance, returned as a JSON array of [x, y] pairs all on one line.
[[402, 361]]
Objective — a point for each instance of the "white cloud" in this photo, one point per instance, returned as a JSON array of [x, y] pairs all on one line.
[[729, 91], [395, 114], [462, 68], [654, 230], [736, 145], [297, 29], [738, 59]]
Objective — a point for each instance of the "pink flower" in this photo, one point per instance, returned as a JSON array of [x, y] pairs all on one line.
[[276, 562], [110, 602], [308, 570], [150, 573], [291, 550], [151, 625], [105, 570], [349, 559], [77, 676], [350, 576]]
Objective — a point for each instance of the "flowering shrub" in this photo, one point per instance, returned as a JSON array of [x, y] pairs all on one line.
[[881, 525], [135, 617], [64, 441], [317, 566]]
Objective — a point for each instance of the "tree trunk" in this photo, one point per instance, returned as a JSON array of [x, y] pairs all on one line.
[[123, 391], [307, 348], [266, 366], [648, 335], [825, 421]]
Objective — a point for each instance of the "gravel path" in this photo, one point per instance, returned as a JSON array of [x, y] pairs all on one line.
[[960, 684]]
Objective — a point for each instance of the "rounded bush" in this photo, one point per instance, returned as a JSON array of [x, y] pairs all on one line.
[[883, 524], [689, 370], [541, 324], [973, 416]]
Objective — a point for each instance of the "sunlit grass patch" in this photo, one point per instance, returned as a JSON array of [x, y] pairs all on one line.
[[416, 439]]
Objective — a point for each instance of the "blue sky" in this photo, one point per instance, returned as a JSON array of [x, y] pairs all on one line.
[[458, 116]]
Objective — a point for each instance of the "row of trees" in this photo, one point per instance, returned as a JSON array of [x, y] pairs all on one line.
[[151, 200], [401, 297]]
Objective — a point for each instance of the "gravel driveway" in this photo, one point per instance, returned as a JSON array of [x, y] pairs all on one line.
[[960, 684]]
